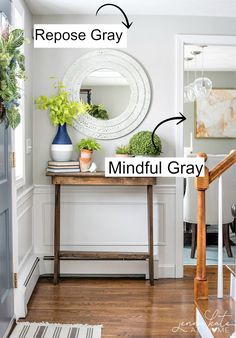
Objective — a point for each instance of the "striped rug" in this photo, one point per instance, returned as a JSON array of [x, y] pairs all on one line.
[[46, 330]]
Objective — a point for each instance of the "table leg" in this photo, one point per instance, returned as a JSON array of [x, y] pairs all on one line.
[[150, 232], [57, 233]]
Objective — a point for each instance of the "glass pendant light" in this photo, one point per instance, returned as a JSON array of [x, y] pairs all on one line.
[[202, 85]]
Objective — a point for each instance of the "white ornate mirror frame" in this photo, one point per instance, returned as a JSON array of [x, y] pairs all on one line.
[[140, 92]]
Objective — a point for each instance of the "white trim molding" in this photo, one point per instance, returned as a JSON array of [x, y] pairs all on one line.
[[202, 327], [19, 11], [233, 287]]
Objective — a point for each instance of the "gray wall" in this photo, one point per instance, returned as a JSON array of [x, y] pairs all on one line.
[[151, 40], [209, 146]]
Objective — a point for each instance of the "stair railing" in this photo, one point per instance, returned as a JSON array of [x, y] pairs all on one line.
[[202, 184]]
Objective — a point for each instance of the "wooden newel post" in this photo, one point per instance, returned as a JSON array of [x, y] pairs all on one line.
[[200, 281]]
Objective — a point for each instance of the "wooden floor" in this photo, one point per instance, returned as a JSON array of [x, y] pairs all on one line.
[[126, 308]]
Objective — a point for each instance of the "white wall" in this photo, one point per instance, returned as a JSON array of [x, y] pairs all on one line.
[[209, 146], [151, 40]]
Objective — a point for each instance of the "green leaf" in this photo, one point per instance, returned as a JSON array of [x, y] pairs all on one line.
[[13, 117], [61, 108], [16, 39]]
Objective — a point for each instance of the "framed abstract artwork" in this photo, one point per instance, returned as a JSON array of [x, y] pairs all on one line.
[[215, 115]]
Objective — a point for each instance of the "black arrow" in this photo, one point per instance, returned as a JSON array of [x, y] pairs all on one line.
[[127, 23], [181, 119]]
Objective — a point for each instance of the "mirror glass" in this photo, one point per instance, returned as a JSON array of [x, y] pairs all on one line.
[[101, 89]]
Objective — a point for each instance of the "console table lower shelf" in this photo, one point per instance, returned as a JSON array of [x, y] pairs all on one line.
[[99, 179]]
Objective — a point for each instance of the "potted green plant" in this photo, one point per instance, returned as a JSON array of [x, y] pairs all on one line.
[[62, 111], [98, 111], [122, 151], [12, 69], [141, 144], [86, 146]]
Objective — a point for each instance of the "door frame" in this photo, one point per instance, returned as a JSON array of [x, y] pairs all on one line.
[[10, 327], [181, 40]]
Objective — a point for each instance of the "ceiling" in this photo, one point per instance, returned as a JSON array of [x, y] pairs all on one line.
[[215, 58], [223, 8]]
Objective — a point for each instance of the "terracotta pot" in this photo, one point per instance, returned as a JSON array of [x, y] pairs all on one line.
[[85, 159]]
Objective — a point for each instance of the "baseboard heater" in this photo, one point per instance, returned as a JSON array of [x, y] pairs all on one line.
[[27, 280]]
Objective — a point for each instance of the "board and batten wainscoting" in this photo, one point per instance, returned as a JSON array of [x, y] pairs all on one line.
[[88, 223], [26, 268]]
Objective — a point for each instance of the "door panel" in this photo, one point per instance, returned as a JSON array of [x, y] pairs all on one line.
[[6, 270], [3, 140]]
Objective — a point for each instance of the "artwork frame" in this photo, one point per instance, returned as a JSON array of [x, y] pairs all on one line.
[[215, 116]]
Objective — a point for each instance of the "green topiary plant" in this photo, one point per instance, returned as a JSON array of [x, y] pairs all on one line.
[[141, 144], [88, 144], [12, 69], [98, 111], [61, 108], [122, 150]]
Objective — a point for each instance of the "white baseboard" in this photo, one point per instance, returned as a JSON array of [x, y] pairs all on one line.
[[233, 286], [202, 327], [27, 279], [166, 271]]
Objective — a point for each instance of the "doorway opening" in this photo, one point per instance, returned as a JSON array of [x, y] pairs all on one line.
[[207, 97]]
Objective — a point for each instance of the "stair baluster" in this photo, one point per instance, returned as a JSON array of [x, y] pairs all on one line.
[[220, 243]]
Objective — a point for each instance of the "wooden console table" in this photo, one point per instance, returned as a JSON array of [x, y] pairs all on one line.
[[99, 179]]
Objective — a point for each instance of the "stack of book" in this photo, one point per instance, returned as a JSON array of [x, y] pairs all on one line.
[[62, 167]]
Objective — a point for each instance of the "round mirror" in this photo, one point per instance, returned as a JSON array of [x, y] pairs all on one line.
[[117, 89], [100, 88]]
